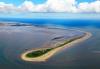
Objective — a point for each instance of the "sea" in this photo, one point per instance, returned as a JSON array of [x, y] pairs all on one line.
[[84, 55]]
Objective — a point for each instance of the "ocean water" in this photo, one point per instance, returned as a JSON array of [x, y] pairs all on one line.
[[85, 55]]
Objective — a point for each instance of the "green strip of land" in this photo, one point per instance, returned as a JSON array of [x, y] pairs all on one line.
[[41, 52]]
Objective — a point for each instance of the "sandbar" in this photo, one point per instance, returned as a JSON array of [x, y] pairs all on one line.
[[49, 54]]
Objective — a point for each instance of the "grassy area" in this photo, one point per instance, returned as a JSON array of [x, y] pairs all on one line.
[[44, 51], [68, 41], [38, 53]]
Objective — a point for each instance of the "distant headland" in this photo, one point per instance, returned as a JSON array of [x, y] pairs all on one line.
[[14, 24]]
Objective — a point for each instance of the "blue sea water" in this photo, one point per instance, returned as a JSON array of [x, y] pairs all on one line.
[[56, 22], [85, 55]]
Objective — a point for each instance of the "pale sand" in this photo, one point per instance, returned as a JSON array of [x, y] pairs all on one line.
[[52, 52]]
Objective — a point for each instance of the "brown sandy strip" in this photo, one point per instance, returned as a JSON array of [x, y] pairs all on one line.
[[52, 52]]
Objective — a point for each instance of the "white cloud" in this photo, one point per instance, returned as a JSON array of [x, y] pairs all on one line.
[[5, 8], [68, 6], [8, 8], [89, 7], [27, 6], [60, 5]]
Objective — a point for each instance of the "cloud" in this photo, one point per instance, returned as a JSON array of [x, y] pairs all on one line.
[[4, 8], [89, 7], [61, 5], [29, 6], [68, 6]]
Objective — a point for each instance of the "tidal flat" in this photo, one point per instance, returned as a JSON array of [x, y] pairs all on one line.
[[37, 37], [13, 44]]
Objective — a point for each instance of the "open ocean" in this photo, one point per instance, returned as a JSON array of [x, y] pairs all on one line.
[[85, 55]]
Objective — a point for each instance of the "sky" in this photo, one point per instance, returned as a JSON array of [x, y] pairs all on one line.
[[18, 2], [27, 8]]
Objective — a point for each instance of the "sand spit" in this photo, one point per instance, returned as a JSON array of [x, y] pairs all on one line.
[[49, 54]]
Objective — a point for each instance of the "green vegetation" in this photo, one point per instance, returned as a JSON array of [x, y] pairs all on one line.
[[44, 51], [38, 53], [68, 41]]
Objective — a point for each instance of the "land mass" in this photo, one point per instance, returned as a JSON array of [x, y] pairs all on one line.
[[43, 54], [14, 24]]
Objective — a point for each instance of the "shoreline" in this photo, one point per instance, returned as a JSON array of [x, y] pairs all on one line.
[[49, 54]]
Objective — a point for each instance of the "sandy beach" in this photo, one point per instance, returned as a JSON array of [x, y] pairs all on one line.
[[46, 56]]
